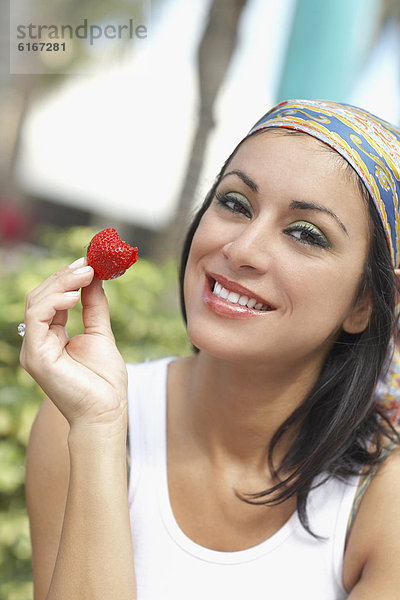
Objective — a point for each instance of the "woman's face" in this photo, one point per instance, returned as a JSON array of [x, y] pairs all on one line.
[[287, 236]]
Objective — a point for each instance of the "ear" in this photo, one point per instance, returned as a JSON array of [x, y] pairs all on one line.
[[359, 317]]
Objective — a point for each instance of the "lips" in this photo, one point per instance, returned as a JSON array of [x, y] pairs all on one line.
[[231, 299]]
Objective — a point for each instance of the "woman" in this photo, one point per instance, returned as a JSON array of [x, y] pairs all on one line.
[[250, 458]]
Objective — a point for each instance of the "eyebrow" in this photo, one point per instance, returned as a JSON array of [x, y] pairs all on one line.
[[294, 205], [245, 178], [299, 204]]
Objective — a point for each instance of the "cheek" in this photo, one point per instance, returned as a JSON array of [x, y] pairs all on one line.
[[208, 231], [199, 247], [206, 241], [327, 295]]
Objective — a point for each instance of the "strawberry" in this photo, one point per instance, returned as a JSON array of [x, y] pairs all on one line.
[[110, 256]]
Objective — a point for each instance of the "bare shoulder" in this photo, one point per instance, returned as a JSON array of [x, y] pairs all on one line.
[[371, 558], [47, 478]]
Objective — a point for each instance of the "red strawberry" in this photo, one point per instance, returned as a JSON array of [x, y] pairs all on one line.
[[110, 256]]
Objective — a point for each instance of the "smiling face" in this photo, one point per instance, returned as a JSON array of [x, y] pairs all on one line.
[[276, 262]]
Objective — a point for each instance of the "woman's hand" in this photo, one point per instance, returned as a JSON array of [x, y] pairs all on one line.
[[84, 376]]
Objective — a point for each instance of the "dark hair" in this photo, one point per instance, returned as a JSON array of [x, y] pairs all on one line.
[[339, 426]]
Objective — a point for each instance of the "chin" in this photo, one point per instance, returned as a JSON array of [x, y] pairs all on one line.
[[222, 346], [211, 342], [270, 354]]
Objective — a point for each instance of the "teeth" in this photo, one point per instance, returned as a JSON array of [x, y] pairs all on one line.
[[235, 298]]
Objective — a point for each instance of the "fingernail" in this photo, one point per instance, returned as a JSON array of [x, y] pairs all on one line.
[[74, 294], [78, 263], [82, 270]]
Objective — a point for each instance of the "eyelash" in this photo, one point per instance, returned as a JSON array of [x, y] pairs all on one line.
[[317, 238], [224, 199], [237, 208]]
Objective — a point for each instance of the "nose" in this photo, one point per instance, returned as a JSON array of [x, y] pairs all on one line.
[[251, 248]]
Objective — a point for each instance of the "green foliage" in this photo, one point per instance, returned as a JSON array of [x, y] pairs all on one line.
[[146, 323]]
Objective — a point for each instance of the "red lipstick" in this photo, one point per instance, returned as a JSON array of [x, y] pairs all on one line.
[[229, 309]]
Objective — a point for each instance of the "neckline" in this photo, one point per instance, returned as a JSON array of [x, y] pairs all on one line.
[[168, 517]]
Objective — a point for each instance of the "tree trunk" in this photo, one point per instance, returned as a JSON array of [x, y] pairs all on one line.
[[214, 55]]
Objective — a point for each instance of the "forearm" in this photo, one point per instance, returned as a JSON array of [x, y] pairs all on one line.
[[95, 557]]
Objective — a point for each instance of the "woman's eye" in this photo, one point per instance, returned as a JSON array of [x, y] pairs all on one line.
[[306, 233], [235, 203]]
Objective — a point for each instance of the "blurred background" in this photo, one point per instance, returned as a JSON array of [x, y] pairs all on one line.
[[130, 133]]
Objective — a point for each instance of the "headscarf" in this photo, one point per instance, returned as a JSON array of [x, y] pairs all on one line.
[[370, 144]]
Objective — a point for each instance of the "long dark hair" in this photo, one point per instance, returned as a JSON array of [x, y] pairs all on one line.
[[339, 427]]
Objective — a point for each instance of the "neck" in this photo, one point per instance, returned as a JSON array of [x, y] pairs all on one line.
[[234, 409]]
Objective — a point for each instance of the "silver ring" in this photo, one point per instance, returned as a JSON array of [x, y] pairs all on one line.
[[21, 329]]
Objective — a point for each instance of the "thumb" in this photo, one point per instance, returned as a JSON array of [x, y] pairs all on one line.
[[95, 312]]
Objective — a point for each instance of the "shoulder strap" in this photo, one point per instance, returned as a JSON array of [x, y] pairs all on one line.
[[365, 480], [134, 370]]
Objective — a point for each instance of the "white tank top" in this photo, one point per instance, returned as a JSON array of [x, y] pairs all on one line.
[[290, 564]]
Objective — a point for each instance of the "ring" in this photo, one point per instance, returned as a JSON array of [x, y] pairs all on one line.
[[21, 329]]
